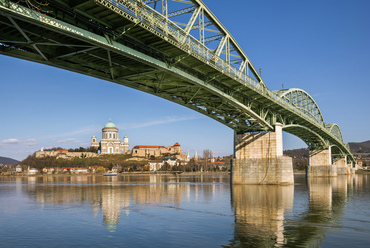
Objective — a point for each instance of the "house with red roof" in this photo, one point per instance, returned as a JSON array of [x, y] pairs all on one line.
[[148, 151]]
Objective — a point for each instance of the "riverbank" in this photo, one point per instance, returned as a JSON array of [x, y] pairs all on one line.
[[363, 172], [119, 174], [151, 173]]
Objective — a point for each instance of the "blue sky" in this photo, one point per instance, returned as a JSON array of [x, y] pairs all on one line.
[[319, 46]]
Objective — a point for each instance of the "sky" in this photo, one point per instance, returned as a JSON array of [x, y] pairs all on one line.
[[320, 46]]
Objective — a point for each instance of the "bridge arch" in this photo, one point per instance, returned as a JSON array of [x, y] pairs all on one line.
[[302, 101], [335, 130], [311, 138]]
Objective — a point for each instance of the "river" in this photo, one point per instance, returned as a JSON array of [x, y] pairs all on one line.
[[183, 211]]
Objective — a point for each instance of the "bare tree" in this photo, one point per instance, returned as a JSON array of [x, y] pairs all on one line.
[[207, 155]]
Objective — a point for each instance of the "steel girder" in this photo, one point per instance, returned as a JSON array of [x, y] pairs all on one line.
[[130, 43]]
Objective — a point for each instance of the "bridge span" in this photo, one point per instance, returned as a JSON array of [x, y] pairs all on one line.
[[180, 51]]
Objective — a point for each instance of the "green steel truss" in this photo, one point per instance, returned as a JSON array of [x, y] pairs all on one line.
[[177, 50]]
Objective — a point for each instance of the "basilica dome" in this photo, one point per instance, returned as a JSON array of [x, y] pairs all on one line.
[[110, 125]]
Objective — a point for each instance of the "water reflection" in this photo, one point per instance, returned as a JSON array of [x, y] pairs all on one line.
[[303, 215], [113, 196], [259, 214], [264, 215]]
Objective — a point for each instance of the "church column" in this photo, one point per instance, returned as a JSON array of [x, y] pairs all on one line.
[[258, 159], [320, 163]]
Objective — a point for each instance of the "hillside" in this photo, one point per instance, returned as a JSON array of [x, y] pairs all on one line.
[[107, 161], [4, 161], [355, 147], [297, 153], [360, 147]]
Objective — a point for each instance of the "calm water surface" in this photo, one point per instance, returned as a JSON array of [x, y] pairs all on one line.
[[183, 211]]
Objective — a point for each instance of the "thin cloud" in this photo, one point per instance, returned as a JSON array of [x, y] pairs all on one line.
[[81, 131], [10, 142], [30, 142], [69, 140], [19, 143], [162, 121]]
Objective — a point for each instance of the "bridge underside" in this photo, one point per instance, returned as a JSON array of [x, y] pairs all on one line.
[[313, 140], [87, 38]]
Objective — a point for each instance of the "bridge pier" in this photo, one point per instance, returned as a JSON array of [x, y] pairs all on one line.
[[342, 167], [258, 159], [320, 164]]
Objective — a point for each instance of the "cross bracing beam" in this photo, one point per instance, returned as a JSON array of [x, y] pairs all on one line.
[[199, 81], [149, 1], [181, 11]]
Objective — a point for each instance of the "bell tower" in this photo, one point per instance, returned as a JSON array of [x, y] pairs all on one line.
[[94, 142]]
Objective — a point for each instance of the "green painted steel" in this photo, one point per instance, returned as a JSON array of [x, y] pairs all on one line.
[[177, 50]]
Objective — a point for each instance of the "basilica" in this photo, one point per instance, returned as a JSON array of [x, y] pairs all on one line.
[[110, 142]]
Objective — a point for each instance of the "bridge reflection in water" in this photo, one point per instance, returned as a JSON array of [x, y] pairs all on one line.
[[259, 213], [264, 215]]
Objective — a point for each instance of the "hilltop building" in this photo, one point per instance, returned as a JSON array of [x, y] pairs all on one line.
[[159, 151], [110, 142]]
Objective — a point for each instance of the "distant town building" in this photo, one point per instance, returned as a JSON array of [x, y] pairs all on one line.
[[18, 168], [11, 170], [155, 165], [32, 171], [145, 151], [171, 161], [110, 142], [359, 162]]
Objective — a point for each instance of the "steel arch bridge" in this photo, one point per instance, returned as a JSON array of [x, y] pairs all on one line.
[[174, 49]]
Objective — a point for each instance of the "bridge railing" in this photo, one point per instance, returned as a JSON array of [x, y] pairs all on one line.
[[168, 30], [164, 27]]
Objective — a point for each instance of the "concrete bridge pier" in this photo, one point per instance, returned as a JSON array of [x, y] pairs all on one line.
[[320, 164], [258, 159], [342, 166]]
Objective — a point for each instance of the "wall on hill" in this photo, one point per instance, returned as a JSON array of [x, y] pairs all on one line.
[[65, 154]]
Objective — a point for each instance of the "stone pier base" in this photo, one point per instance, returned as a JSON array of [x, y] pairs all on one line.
[[277, 171], [343, 171], [342, 167], [258, 159], [320, 164], [322, 171]]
